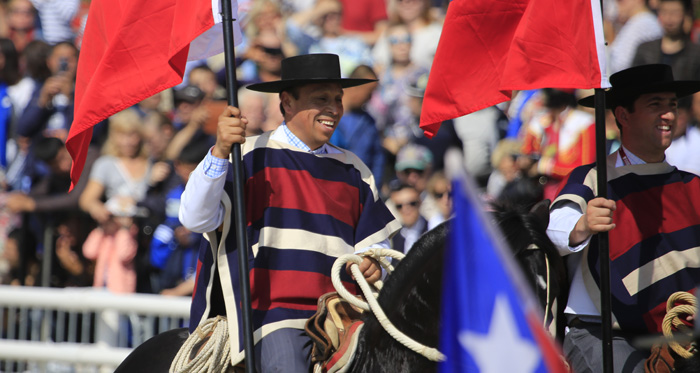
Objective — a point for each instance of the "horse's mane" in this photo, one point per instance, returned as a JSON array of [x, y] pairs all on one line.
[[521, 226], [409, 294]]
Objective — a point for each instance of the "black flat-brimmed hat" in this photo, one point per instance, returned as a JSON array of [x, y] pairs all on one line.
[[643, 79], [308, 69]]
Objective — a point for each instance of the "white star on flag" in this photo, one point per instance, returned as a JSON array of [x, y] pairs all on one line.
[[502, 349]]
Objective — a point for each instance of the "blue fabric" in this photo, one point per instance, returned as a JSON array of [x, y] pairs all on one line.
[[484, 299], [516, 122], [5, 118], [357, 132]]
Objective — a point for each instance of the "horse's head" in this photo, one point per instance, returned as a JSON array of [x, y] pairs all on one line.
[[525, 231]]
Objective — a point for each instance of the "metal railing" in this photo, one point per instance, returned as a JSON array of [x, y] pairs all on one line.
[[79, 329]]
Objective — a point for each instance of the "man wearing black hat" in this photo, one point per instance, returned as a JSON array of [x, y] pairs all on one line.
[[652, 216], [308, 202]]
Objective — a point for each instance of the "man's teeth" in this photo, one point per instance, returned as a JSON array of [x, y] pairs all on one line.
[[328, 123], [664, 128]]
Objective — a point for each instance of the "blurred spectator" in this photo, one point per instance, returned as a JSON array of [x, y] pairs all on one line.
[[365, 18], [479, 135], [123, 171], [505, 167], [56, 17], [558, 140], [149, 105], [425, 32], [265, 18], [77, 271], [34, 72], [112, 246], [406, 199], [389, 104], [354, 50], [253, 105], [639, 25], [414, 167], [24, 268], [684, 151], [173, 250], [22, 23], [50, 194], [50, 110], [265, 53], [191, 115], [9, 76], [357, 130], [204, 78], [440, 188], [401, 133], [674, 47]]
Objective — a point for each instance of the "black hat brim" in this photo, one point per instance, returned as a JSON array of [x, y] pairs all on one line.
[[281, 85], [681, 88]]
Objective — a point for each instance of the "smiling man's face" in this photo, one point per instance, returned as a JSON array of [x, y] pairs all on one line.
[[314, 116]]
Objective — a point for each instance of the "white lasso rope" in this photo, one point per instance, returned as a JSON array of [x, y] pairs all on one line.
[[429, 352], [214, 355]]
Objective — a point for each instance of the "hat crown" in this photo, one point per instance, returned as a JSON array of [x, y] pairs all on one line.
[[311, 66], [643, 77]]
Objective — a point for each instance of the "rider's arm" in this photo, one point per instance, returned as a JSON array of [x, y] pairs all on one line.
[[200, 207]]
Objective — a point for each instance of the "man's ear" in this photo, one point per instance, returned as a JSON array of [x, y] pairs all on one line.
[[286, 101], [621, 114]]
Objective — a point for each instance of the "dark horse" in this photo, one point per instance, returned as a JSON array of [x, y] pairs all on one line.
[[410, 298]]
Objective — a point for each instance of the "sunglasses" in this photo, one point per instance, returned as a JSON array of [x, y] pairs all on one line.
[[412, 204], [442, 194], [393, 40], [272, 51]]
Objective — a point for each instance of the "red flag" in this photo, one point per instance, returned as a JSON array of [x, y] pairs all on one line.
[[133, 49], [489, 48]]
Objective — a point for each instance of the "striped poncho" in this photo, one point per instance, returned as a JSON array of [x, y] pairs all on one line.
[[303, 211], [655, 246]]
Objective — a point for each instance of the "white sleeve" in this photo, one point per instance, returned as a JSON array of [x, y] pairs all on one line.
[[200, 207], [562, 220]]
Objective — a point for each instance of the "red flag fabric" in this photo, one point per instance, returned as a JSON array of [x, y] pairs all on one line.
[[489, 48], [133, 49]]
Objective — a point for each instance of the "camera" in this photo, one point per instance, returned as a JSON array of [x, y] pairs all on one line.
[[63, 65]]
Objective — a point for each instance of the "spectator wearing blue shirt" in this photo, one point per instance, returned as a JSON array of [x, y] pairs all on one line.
[[357, 130], [173, 250]]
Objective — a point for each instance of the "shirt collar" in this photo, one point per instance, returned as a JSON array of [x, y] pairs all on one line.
[[632, 158], [293, 140]]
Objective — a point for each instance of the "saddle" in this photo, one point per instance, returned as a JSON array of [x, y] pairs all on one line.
[[334, 330]]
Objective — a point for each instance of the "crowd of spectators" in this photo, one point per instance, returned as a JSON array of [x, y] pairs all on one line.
[[118, 229]]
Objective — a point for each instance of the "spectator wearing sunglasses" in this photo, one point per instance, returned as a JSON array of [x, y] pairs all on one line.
[[440, 189], [407, 201]]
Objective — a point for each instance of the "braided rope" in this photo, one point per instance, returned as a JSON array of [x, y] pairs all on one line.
[[372, 305], [672, 321], [214, 355]]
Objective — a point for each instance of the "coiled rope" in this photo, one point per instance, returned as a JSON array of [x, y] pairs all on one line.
[[672, 321], [214, 353], [372, 305]]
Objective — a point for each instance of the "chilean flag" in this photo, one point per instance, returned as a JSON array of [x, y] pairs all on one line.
[[490, 321], [133, 49], [490, 48]]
